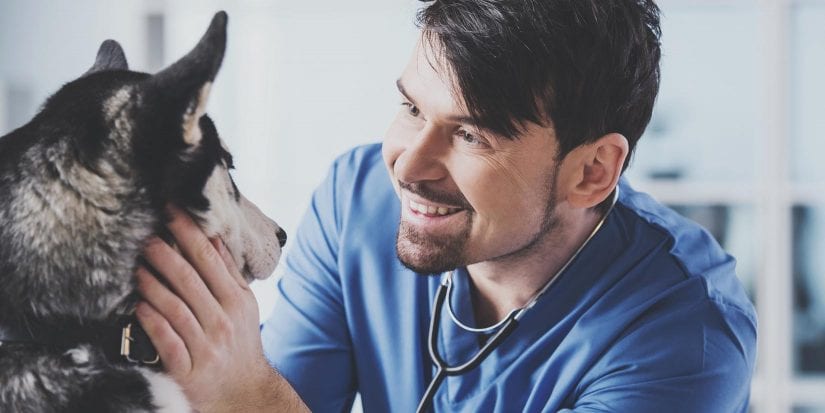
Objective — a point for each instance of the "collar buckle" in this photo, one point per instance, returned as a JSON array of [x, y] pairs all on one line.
[[126, 340]]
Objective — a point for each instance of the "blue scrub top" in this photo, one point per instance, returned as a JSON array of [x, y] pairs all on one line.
[[650, 317]]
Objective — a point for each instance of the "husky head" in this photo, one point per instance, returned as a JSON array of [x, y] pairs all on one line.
[[86, 182], [164, 116]]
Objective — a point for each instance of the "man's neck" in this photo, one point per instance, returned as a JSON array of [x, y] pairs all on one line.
[[503, 284]]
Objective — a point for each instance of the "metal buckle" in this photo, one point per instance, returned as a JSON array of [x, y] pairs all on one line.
[[126, 340]]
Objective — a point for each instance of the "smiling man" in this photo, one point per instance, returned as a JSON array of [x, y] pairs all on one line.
[[492, 221]]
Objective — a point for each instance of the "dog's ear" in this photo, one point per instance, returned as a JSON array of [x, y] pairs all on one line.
[[110, 56], [186, 83]]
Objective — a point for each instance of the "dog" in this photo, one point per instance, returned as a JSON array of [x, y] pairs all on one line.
[[83, 186]]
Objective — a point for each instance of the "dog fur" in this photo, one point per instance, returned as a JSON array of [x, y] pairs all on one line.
[[84, 186]]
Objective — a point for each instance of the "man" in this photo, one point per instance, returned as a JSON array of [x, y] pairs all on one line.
[[502, 169]]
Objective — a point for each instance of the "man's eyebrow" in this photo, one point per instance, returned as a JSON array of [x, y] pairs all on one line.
[[452, 118], [403, 91], [463, 119]]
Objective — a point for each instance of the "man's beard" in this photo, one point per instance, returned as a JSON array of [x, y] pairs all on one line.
[[428, 254]]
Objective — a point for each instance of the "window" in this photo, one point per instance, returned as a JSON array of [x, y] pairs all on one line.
[[735, 144]]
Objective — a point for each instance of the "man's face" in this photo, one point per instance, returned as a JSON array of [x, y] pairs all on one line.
[[467, 196]]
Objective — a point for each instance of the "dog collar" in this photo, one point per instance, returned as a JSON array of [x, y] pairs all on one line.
[[123, 341]]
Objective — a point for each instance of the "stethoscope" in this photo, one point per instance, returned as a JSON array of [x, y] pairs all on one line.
[[502, 329]]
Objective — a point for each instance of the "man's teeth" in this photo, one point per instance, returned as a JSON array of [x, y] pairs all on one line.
[[431, 210]]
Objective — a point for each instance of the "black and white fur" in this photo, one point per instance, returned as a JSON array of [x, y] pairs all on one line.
[[83, 186]]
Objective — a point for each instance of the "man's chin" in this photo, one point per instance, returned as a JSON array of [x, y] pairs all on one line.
[[421, 266], [428, 260], [428, 254]]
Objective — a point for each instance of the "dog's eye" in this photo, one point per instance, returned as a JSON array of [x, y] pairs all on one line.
[[235, 192], [227, 160]]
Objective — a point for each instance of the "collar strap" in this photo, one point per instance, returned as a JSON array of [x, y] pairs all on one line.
[[124, 341]]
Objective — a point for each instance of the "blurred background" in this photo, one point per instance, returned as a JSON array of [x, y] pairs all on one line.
[[735, 142]]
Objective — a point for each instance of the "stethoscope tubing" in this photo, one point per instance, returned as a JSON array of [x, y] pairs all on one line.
[[443, 368], [508, 324]]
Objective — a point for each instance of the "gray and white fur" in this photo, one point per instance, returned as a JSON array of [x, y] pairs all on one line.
[[84, 186]]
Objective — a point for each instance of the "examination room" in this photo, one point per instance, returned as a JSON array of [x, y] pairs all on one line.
[[429, 205]]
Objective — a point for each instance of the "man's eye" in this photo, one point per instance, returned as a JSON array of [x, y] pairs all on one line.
[[412, 110], [469, 138]]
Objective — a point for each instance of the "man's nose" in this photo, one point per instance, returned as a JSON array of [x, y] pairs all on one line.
[[423, 157]]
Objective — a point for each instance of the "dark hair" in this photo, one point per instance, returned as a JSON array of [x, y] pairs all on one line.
[[591, 67]]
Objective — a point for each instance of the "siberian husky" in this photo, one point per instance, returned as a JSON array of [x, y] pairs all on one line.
[[83, 186]]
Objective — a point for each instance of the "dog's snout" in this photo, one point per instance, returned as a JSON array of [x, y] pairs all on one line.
[[281, 237]]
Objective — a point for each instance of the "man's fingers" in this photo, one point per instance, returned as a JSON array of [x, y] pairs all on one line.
[[170, 347], [174, 312], [183, 279], [231, 266], [201, 253]]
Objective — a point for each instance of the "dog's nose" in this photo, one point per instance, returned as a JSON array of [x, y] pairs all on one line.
[[281, 237]]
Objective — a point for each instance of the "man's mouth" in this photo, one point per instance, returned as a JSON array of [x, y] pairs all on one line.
[[430, 210]]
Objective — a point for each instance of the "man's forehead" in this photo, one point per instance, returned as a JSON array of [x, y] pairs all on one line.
[[428, 51], [428, 77]]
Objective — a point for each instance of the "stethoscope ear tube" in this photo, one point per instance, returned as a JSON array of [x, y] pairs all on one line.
[[441, 365], [443, 369]]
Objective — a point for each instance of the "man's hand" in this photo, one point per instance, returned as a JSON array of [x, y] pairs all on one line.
[[206, 327]]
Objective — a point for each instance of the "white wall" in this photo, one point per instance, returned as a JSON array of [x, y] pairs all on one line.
[[47, 43]]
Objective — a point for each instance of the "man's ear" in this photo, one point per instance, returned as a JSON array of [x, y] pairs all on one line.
[[182, 89], [596, 169]]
